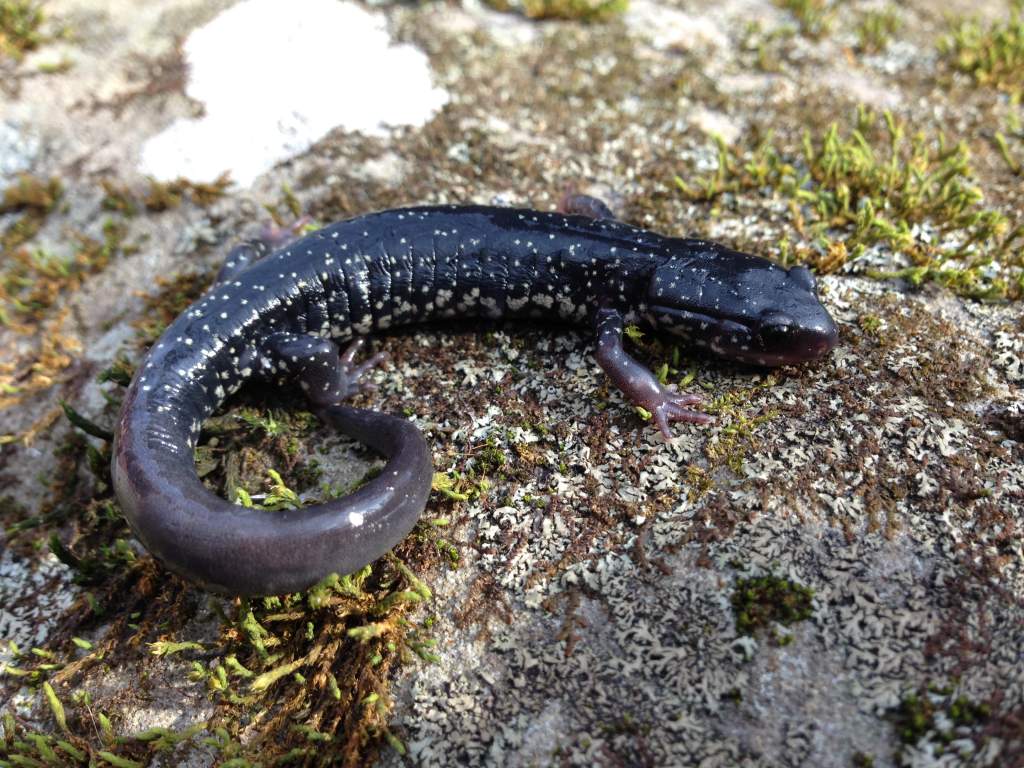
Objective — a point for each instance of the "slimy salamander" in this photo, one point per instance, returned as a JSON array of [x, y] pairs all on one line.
[[279, 314]]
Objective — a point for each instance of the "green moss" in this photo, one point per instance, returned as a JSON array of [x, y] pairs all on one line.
[[278, 496], [922, 714], [20, 24], [119, 372], [1014, 160], [764, 600], [489, 459], [32, 199], [457, 487], [992, 55], [33, 281], [581, 10], [963, 711], [870, 324], [163, 196], [172, 296], [737, 438], [771, 46], [78, 742], [876, 28], [964, 282], [813, 16], [871, 185], [699, 482], [56, 67], [32, 193], [118, 198], [914, 718]]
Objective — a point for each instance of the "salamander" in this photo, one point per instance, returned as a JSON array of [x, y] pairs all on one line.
[[279, 314]]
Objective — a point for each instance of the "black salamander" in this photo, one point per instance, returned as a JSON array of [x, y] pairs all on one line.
[[279, 314]]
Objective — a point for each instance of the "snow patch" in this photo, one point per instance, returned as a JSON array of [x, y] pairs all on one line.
[[275, 77]]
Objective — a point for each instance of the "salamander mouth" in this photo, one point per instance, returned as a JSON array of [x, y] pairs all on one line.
[[672, 318], [776, 342], [685, 322]]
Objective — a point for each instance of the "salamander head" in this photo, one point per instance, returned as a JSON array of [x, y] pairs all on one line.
[[741, 307]]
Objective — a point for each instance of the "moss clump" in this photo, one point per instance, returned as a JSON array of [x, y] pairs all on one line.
[[738, 436], [580, 10], [993, 55], [490, 458], [163, 196], [320, 662], [33, 287], [875, 184], [32, 281], [118, 198], [771, 46], [172, 297], [32, 193], [936, 712], [764, 600], [32, 199], [914, 718], [20, 22], [875, 30], [813, 16]]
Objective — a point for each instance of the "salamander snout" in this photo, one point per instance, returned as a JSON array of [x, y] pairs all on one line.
[[807, 335]]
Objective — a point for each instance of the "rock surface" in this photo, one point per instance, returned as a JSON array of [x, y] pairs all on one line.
[[618, 599]]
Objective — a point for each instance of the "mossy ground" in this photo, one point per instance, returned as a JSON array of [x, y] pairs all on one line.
[[20, 23], [567, 595]]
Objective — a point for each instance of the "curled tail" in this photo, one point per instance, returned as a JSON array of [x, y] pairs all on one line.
[[243, 551]]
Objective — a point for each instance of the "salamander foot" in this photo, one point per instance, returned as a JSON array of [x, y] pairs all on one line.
[[326, 375], [667, 406], [639, 384], [354, 373], [584, 205]]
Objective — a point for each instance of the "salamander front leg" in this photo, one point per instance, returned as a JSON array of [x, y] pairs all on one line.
[[326, 376], [636, 382]]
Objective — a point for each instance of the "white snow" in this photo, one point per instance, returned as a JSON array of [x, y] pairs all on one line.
[[274, 77]]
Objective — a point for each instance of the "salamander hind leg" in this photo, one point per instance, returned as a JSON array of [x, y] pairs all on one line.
[[245, 254], [326, 375], [636, 382], [585, 205]]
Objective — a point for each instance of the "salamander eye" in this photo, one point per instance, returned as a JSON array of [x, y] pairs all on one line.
[[773, 321], [774, 331], [802, 276]]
